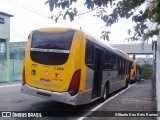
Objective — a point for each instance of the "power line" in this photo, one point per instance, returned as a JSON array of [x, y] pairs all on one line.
[[27, 8], [32, 10], [23, 5], [82, 7]]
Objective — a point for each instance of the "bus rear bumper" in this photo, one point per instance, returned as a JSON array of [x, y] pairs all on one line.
[[63, 97]]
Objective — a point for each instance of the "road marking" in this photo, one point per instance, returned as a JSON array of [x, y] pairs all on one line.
[[94, 109], [12, 85]]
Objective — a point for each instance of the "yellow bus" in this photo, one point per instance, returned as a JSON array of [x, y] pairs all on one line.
[[71, 66], [130, 63], [135, 74]]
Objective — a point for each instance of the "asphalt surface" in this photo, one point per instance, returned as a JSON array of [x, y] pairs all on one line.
[[139, 97]]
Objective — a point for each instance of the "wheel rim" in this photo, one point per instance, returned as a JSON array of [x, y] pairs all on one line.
[[105, 92]]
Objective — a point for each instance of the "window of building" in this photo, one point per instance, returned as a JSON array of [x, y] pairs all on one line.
[[2, 49], [2, 20]]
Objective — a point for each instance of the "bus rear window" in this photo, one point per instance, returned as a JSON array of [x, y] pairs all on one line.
[[61, 40]]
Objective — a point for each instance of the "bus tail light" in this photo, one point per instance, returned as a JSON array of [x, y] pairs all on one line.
[[23, 77], [133, 75], [75, 82]]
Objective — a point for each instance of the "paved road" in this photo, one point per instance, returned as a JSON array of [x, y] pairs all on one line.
[[11, 99], [136, 98]]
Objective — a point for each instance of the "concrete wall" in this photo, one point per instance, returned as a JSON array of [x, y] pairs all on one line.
[[5, 28], [16, 67], [5, 35], [13, 71], [17, 51]]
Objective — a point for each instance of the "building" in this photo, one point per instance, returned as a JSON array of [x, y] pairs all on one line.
[[4, 45]]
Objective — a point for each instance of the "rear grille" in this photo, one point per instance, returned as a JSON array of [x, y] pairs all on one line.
[[49, 58]]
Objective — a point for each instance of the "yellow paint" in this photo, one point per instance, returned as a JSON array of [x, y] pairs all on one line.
[[133, 68], [87, 90], [75, 62], [125, 79]]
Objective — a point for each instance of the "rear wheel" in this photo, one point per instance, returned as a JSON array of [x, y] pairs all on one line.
[[105, 93]]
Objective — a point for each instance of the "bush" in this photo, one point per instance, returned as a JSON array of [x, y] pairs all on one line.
[[147, 71]]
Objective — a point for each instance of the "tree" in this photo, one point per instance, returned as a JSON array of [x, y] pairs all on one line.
[[122, 9]]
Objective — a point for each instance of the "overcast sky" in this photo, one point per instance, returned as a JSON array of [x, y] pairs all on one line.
[[33, 14]]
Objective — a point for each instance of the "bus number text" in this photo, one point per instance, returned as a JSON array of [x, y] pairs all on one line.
[[58, 68]]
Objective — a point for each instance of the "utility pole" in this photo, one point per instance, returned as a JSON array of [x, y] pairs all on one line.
[[158, 74]]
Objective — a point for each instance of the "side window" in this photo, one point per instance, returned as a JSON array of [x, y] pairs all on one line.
[[108, 64], [126, 67], [120, 65], [123, 68], [115, 62], [89, 54]]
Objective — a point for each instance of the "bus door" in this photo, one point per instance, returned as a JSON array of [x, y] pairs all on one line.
[[97, 80], [120, 81]]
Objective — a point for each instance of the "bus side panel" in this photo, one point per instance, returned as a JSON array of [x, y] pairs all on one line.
[[79, 56], [88, 84], [125, 80], [78, 52], [111, 76]]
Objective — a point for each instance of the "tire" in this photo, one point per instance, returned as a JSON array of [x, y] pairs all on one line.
[[105, 94]]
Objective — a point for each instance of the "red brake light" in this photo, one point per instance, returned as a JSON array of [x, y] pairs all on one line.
[[133, 74], [75, 82], [23, 77]]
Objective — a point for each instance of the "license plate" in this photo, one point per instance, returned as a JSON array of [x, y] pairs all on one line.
[[45, 81]]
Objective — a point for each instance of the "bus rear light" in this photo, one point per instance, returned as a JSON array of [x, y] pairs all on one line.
[[23, 77], [75, 82], [72, 101], [133, 75]]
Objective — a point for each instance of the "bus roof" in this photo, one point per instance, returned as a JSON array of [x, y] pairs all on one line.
[[107, 46], [89, 37], [123, 53]]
